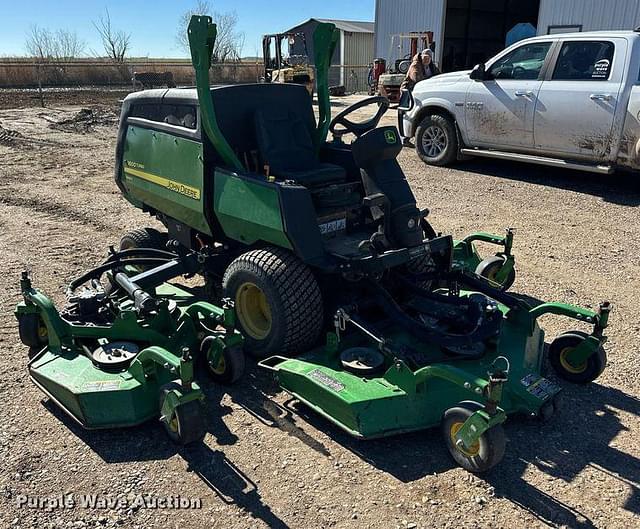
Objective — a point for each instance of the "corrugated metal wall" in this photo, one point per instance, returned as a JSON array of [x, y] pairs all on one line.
[[358, 53], [403, 16], [593, 15]]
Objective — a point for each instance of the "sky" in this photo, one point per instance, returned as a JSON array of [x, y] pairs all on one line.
[[153, 24]]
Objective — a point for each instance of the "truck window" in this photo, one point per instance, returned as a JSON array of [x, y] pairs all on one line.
[[584, 61], [524, 62]]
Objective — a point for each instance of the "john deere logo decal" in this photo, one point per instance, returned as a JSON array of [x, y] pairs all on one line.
[[390, 136]]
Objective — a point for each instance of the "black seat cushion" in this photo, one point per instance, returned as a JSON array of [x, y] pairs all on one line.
[[286, 145], [321, 174]]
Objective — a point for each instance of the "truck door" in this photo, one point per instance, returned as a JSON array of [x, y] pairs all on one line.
[[499, 109], [577, 101]]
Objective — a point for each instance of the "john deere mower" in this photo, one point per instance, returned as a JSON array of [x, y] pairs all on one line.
[[340, 284]]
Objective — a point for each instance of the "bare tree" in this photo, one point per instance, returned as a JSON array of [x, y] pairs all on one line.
[[69, 45], [54, 47], [116, 42], [229, 42], [50, 50]]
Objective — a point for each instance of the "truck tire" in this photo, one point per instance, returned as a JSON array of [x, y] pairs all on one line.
[[437, 140], [278, 302]]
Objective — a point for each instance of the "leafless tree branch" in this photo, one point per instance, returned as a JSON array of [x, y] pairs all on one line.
[[116, 43], [229, 42]]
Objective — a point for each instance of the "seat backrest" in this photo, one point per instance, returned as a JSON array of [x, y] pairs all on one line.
[[236, 107], [284, 142]]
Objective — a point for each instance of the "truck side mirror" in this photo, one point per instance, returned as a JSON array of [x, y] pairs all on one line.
[[478, 73]]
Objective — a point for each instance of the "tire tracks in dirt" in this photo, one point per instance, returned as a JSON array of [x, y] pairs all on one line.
[[56, 210]]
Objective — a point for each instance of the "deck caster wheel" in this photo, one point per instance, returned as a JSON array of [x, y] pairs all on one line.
[[491, 266], [229, 367], [33, 332], [548, 410], [486, 453], [186, 423], [584, 373]]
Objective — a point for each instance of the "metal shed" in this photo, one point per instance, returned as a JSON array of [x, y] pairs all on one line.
[[353, 53], [470, 31]]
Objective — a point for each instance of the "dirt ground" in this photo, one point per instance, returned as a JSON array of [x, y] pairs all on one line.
[[577, 240]]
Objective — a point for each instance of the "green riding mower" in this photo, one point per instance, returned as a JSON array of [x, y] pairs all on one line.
[[340, 284]]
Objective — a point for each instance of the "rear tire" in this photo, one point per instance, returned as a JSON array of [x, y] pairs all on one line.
[[144, 238], [278, 302], [437, 140]]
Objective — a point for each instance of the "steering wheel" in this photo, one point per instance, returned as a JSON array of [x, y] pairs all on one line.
[[360, 127]]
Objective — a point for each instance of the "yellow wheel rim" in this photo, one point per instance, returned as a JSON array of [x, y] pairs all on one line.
[[568, 367], [219, 367], [474, 450], [42, 331], [253, 311], [173, 423]]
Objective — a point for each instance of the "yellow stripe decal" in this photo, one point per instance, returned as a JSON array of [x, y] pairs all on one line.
[[177, 187]]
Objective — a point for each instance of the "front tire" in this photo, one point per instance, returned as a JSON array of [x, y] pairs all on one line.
[[437, 140], [278, 302]]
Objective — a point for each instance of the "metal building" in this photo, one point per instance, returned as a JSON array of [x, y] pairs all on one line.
[[353, 53], [467, 32]]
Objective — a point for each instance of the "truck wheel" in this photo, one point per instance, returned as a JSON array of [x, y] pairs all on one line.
[[436, 140], [588, 371], [277, 300], [486, 453]]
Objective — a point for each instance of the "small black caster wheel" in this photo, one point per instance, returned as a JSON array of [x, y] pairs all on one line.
[[486, 453], [584, 373], [186, 424], [33, 332], [489, 268], [229, 367]]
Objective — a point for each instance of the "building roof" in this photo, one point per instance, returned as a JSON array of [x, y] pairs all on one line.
[[352, 26]]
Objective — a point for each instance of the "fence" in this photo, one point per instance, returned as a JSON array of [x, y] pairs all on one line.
[[24, 73], [354, 78]]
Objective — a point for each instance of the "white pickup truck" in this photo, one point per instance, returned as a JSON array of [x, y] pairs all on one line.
[[569, 100]]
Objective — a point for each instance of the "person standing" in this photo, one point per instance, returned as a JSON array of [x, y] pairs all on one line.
[[422, 67]]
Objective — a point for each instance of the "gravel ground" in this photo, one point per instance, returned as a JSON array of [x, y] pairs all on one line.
[[578, 240]]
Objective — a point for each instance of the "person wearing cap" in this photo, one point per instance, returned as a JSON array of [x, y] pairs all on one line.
[[422, 67]]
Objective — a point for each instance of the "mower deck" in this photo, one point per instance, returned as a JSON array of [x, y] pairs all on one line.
[[400, 399]]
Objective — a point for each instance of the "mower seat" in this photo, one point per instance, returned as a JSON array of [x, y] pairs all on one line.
[[286, 146]]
